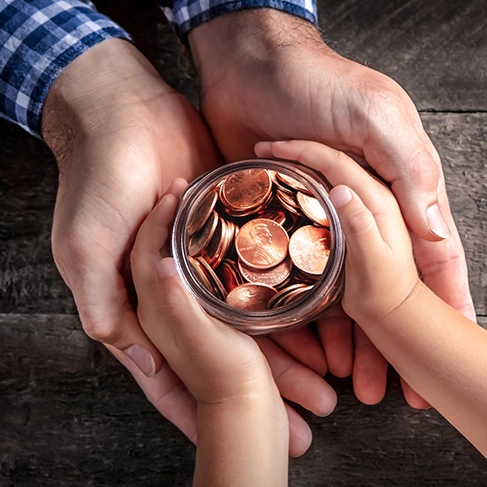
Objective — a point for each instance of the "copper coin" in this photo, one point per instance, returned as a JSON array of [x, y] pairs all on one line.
[[213, 252], [230, 275], [291, 182], [246, 189], [312, 209], [288, 202], [288, 295], [202, 212], [273, 276], [201, 239], [262, 243], [250, 296], [201, 276], [309, 247], [273, 213], [218, 289]]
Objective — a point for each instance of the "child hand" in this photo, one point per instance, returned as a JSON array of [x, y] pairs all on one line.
[[380, 269], [215, 361]]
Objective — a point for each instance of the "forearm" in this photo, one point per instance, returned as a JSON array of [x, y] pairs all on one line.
[[243, 442], [38, 39], [442, 356]]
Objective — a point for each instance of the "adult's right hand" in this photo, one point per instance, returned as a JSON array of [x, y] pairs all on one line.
[[120, 136]]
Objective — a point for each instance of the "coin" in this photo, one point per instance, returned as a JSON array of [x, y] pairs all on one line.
[[200, 274], [248, 217], [273, 213], [217, 287], [229, 274], [202, 212], [288, 295], [312, 209], [291, 182], [246, 189], [250, 296], [273, 276], [262, 243], [288, 201], [201, 239], [309, 247]]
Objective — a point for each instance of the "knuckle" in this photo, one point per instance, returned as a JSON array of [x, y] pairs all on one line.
[[423, 170], [360, 221], [100, 330]]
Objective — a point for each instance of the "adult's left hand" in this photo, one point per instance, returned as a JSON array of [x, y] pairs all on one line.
[[266, 75]]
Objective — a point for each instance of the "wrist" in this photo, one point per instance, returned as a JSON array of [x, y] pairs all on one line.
[[112, 76], [257, 35]]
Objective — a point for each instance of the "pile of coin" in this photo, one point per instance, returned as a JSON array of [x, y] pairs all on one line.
[[259, 240]]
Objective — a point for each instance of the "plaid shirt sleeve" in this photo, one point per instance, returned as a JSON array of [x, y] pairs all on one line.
[[38, 39], [185, 15]]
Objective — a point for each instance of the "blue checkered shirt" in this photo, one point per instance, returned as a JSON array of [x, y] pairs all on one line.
[[39, 38]]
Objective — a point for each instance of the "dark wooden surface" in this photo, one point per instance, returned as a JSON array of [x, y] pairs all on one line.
[[69, 413]]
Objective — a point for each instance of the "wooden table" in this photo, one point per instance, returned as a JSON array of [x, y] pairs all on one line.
[[70, 415]]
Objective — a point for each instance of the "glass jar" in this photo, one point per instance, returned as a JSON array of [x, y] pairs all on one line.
[[259, 244]]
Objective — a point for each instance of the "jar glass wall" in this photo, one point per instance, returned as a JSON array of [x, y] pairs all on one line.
[[259, 244]]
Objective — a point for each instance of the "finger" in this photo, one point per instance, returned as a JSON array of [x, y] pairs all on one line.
[[404, 156], [369, 370], [335, 331], [300, 435], [336, 166], [412, 397], [167, 394], [439, 261], [414, 178], [303, 344], [443, 269], [107, 314], [296, 382]]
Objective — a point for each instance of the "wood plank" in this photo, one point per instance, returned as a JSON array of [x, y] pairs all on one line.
[[71, 415], [29, 281], [435, 50]]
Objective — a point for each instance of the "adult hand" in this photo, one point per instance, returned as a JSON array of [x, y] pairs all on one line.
[[266, 75], [120, 136]]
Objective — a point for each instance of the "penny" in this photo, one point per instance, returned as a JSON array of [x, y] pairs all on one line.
[[309, 247], [202, 212], [217, 287], [288, 295], [288, 201], [200, 274], [230, 275], [246, 189], [273, 213], [273, 276], [291, 182], [312, 209], [262, 220], [262, 243], [250, 296], [201, 239], [219, 244]]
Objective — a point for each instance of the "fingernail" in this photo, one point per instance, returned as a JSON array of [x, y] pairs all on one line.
[[166, 267], [436, 222], [340, 196], [142, 358], [328, 403]]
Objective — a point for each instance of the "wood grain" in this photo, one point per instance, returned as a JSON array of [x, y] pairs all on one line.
[[70, 415]]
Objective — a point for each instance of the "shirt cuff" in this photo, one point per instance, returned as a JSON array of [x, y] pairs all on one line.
[[185, 15], [38, 39]]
